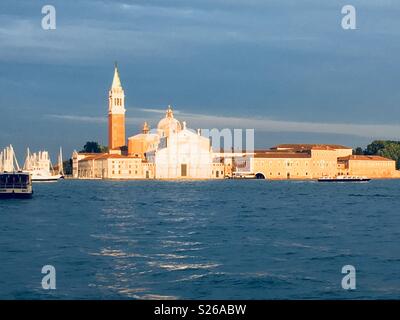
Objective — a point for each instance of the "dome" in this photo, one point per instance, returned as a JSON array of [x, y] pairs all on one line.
[[169, 123]]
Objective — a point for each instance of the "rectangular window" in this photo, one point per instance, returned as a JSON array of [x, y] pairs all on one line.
[[183, 170]]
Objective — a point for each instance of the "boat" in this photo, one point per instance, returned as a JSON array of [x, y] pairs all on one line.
[[342, 178], [14, 183], [243, 175], [39, 166]]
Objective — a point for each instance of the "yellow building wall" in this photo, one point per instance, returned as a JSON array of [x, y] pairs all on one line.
[[283, 168], [125, 168], [116, 168], [218, 171], [373, 168], [140, 145], [343, 152], [324, 163], [136, 147]]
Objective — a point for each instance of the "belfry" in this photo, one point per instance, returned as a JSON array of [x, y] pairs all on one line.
[[116, 114]]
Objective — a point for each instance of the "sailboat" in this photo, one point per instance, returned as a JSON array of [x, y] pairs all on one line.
[[60, 166], [14, 183], [39, 166]]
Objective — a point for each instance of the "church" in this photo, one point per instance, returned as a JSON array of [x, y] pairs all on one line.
[[171, 151]]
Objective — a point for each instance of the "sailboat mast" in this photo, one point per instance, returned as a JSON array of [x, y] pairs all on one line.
[[27, 159], [13, 158], [60, 163]]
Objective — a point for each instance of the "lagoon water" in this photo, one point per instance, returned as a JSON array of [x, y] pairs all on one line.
[[228, 239]]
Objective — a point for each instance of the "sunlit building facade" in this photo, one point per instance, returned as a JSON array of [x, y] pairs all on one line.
[[172, 151]]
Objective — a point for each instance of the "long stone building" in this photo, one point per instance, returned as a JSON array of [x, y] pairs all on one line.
[[172, 151], [313, 161]]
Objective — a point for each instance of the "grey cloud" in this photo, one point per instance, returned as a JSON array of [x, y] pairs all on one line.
[[262, 124]]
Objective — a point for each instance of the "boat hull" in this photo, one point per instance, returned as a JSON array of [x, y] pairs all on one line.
[[16, 195], [15, 185], [46, 178], [344, 180]]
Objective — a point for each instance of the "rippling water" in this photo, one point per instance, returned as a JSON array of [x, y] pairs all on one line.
[[202, 240]]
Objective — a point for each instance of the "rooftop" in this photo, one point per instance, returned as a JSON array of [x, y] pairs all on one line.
[[305, 146], [282, 155], [362, 157], [108, 156]]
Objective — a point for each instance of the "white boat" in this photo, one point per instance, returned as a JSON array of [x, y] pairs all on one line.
[[14, 183], [39, 166], [342, 178], [45, 176], [243, 175]]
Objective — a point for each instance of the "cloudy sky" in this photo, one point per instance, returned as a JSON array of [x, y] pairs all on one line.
[[283, 67]]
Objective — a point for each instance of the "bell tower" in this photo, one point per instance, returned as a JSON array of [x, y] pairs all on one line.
[[116, 113]]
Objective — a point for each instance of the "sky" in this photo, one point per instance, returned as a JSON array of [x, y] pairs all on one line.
[[286, 68]]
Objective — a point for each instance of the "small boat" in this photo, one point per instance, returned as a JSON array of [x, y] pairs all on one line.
[[45, 176], [39, 165], [15, 185], [344, 179], [243, 175]]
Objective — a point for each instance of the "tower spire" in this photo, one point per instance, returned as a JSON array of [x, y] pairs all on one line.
[[116, 80], [169, 113], [146, 128]]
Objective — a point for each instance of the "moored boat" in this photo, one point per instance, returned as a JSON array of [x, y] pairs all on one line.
[[15, 185], [39, 166], [45, 176], [344, 179]]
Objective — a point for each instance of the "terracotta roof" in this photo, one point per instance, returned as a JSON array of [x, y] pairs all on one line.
[[108, 156], [306, 146], [324, 148], [361, 157], [282, 155]]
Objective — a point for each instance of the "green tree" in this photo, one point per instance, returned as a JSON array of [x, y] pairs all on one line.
[[375, 147], [67, 164], [93, 147], [358, 151], [385, 148]]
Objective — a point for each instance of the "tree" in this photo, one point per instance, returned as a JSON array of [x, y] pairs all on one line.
[[375, 147], [358, 151], [67, 164], [93, 147], [385, 148]]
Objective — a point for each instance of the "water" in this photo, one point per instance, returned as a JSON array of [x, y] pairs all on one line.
[[202, 240]]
